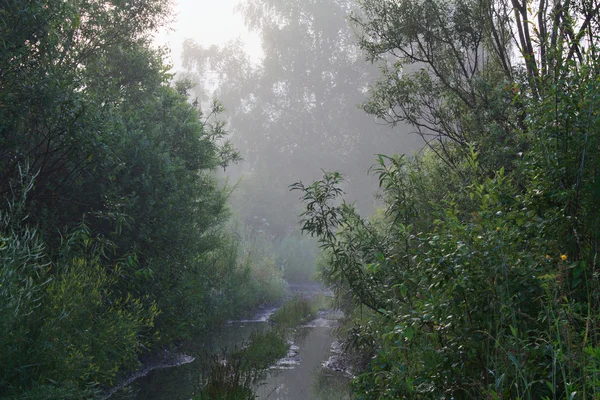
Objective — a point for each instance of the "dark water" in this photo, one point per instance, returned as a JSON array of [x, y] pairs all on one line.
[[301, 375]]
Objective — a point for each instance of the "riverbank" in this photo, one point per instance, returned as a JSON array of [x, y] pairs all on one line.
[[163, 359]]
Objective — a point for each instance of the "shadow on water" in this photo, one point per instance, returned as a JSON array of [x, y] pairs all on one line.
[[300, 375]]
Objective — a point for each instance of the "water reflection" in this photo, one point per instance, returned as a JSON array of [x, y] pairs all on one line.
[[308, 380]]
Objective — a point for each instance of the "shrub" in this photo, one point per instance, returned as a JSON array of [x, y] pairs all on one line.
[[61, 320]]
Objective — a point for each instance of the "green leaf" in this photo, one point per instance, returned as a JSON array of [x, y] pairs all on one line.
[[403, 290], [409, 333]]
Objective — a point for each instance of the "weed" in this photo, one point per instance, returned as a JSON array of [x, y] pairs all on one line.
[[295, 311], [234, 375]]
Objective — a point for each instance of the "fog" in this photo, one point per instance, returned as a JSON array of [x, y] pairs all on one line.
[[290, 78], [207, 23]]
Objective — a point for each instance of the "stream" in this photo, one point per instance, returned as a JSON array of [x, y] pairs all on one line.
[[301, 375]]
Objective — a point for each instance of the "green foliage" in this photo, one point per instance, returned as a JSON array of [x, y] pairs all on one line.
[[264, 349], [227, 380], [111, 239], [477, 303], [57, 322], [68, 391], [299, 310], [480, 272], [87, 340], [260, 278], [293, 312], [237, 275]]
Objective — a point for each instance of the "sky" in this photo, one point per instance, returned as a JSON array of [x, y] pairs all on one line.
[[207, 22]]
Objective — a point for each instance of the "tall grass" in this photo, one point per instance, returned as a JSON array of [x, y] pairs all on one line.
[[227, 380], [235, 374], [299, 310]]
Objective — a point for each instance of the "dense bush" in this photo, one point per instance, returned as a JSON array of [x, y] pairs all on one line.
[[111, 232], [262, 276], [62, 322], [485, 294]]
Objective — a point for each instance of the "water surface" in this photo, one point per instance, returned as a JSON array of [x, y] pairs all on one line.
[[299, 376]]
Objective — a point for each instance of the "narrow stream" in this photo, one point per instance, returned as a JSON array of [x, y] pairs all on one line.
[[306, 378], [299, 376]]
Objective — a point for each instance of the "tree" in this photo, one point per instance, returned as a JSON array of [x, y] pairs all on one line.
[[480, 270], [460, 72], [110, 207], [295, 112], [58, 94]]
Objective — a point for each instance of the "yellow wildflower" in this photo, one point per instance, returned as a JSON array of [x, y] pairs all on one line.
[[497, 229], [547, 257], [563, 257]]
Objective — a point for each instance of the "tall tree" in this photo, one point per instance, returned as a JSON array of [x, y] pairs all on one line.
[[480, 276], [295, 112]]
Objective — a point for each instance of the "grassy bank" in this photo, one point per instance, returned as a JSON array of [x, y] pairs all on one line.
[[299, 310], [234, 375]]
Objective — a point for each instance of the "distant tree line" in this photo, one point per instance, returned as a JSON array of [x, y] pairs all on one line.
[[294, 111]]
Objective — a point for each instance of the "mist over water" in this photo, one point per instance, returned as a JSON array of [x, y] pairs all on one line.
[[284, 80], [145, 202]]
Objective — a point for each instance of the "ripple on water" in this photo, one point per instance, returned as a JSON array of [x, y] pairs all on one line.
[[291, 360]]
